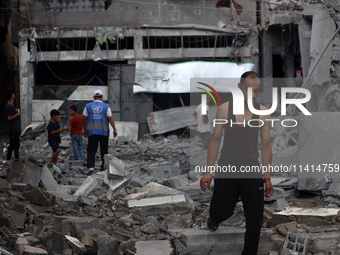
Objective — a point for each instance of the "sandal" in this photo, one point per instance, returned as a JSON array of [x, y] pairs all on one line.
[[211, 225]]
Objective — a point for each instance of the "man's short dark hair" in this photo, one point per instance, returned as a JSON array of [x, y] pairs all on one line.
[[97, 97], [54, 112], [9, 94], [73, 108], [246, 74]]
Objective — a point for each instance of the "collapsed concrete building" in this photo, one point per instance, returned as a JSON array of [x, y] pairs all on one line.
[[69, 48]]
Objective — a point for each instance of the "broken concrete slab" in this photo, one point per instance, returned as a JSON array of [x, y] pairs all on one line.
[[228, 240], [3, 184], [116, 167], [280, 204], [86, 201], [38, 196], [47, 180], [157, 201], [315, 212], [151, 219], [75, 244], [155, 189], [64, 196], [125, 221], [113, 173], [30, 250], [3, 172], [135, 196], [17, 186], [312, 147], [149, 228], [333, 190], [18, 219], [76, 225], [156, 247], [122, 234], [15, 171], [31, 174], [106, 244], [308, 216], [287, 227], [127, 130], [20, 244], [4, 251], [115, 184], [88, 185]]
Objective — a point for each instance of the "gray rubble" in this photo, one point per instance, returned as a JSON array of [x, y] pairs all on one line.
[[147, 199]]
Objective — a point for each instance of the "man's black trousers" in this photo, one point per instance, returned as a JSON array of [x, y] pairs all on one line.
[[223, 202], [92, 149], [14, 144]]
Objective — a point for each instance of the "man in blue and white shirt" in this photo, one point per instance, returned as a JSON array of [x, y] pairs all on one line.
[[97, 116]]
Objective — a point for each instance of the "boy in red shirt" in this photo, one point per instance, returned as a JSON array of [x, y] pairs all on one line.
[[76, 128]]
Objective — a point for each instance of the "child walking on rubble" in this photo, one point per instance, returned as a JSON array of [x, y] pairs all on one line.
[[54, 130], [75, 127]]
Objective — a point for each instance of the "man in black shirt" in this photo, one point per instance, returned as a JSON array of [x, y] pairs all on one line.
[[13, 126]]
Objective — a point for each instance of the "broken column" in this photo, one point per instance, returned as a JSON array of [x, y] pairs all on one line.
[[156, 199], [115, 175]]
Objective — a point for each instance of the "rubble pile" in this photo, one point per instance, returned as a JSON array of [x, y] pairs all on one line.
[[147, 200]]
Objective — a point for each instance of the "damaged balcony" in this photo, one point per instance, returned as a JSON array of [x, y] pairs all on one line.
[[63, 45]]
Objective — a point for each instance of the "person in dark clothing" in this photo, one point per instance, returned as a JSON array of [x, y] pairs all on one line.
[[239, 151], [54, 131], [97, 116], [13, 126]]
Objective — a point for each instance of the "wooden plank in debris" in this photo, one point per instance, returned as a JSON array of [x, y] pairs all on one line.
[[172, 119]]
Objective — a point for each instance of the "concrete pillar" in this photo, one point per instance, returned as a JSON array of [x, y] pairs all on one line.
[[138, 45], [305, 31], [323, 28], [113, 73], [26, 73], [267, 69]]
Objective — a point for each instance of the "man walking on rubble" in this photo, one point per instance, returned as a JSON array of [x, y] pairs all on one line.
[[240, 149], [13, 126], [97, 116]]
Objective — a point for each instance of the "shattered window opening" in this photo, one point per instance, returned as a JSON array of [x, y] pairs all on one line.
[[201, 41], [78, 44]]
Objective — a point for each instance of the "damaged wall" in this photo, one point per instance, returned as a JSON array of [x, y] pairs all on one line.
[[120, 13], [55, 45]]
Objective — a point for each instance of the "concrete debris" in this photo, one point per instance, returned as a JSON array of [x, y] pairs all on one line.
[[116, 168], [148, 194], [30, 250], [156, 201], [38, 196], [294, 244], [4, 251], [280, 204], [88, 185], [76, 244], [31, 174], [200, 241], [157, 247], [283, 229], [47, 180]]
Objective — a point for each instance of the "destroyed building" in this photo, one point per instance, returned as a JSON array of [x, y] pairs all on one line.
[[148, 198]]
